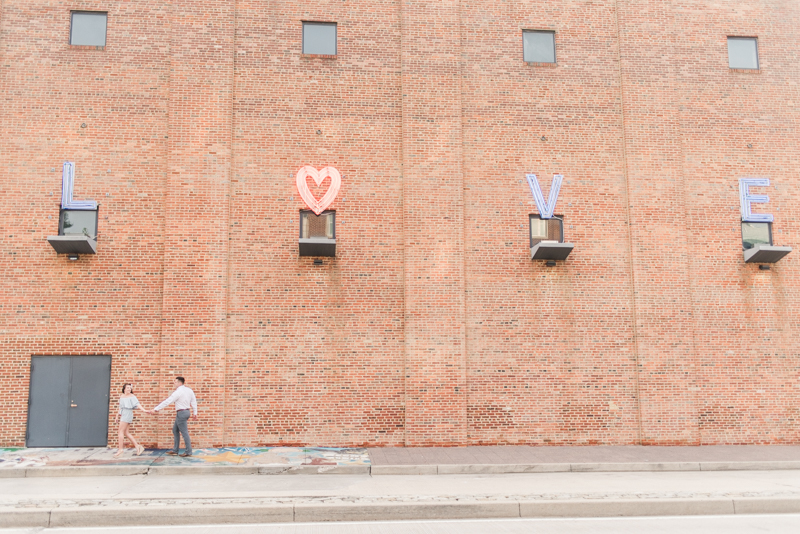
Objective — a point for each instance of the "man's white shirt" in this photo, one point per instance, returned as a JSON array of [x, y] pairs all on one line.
[[183, 398]]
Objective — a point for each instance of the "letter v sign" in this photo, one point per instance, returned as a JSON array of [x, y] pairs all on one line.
[[545, 210], [67, 182]]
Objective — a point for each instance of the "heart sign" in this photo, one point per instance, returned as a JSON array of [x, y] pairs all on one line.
[[318, 206]]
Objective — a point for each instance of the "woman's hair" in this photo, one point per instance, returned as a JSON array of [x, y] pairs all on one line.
[[125, 385]]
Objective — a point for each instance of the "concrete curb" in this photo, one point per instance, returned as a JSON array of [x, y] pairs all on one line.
[[628, 508], [398, 511], [171, 470], [598, 467], [761, 505], [606, 467], [85, 471], [499, 469], [768, 465], [378, 470], [169, 515], [202, 470], [314, 470], [142, 515], [24, 518], [404, 470]]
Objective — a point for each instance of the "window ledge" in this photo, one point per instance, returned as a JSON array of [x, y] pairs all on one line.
[[746, 71], [86, 47], [537, 64], [319, 56], [545, 250], [73, 244], [318, 246], [765, 254]]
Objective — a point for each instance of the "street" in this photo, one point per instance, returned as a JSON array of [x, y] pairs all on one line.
[[696, 501], [739, 524]]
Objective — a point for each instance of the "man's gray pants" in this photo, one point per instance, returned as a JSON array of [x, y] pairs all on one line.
[[181, 428]]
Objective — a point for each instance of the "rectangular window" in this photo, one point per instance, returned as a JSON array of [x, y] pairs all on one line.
[[743, 52], [756, 233], [319, 38], [538, 46], [88, 28], [78, 222], [547, 230], [317, 226]]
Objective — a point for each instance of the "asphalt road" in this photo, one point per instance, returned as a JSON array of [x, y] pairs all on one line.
[[739, 524]]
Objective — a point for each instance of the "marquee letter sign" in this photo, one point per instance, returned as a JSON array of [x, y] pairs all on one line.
[[746, 199], [67, 183], [545, 210], [318, 206]]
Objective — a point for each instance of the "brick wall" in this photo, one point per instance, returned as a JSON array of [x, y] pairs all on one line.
[[432, 326]]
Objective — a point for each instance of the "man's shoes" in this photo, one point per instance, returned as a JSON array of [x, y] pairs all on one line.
[[172, 453], [184, 455]]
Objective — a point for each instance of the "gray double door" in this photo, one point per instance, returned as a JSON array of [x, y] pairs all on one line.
[[68, 401]]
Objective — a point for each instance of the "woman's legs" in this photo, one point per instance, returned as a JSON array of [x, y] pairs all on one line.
[[130, 436], [123, 429]]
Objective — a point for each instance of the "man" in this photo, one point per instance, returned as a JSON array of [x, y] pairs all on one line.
[[184, 399]]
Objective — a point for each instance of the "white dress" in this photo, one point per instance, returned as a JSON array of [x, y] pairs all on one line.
[[126, 407]]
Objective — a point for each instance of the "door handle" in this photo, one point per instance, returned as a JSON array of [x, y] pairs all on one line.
[[73, 405]]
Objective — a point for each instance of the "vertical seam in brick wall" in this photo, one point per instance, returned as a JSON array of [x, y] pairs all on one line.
[[689, 261], [464, 314], [786, 341], [675, 103], [228, 248], [630, 224], [405, 224], [24, 388], [158, 389]]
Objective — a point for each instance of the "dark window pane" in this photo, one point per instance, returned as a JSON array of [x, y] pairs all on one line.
[[551, 230], [317, 225], [88, 28], [78, 222], [539, 47], [742, 52], [319, 38], [754, 233]]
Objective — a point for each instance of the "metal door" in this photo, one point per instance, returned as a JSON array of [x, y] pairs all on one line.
[[48, 401], [68, 401], [88, 412]]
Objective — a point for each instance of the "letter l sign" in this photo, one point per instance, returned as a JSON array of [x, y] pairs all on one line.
[[67, 182]]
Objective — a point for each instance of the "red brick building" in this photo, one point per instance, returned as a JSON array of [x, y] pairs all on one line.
[[432, 325]]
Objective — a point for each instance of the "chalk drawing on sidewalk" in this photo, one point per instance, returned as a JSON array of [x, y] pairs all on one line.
[[11, 458]]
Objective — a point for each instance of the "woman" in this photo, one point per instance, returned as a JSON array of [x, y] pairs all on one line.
[[127, 403]]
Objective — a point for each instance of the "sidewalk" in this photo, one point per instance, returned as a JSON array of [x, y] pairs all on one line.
[[18, 463], [524, 459], [236, 499]]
